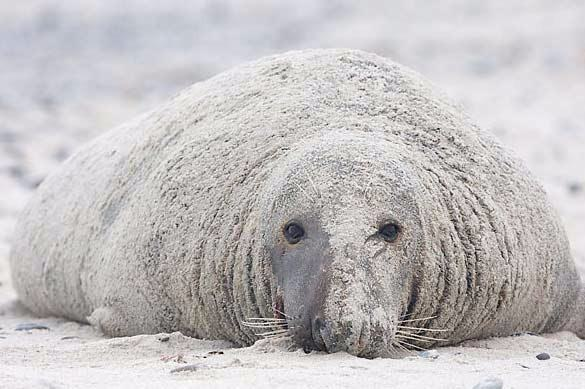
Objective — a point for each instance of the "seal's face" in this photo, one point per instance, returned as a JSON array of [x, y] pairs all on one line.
[[343, 239]]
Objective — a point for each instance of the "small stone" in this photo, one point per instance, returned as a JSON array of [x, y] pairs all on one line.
[[543, 356], [490, 383], [179, 358], [61, 154], [16, 172], [575, 187], [31, 326], [429, 354], [164, 339], [193, 367]]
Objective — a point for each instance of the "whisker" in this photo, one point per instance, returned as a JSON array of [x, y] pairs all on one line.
[[273, 332], [313, 184], [422, 329], [264, 319], [303, 191], [275, 336], [420, 319], [412, 345], [265, 325], [401, 347], [417, 339], [279, 336], [421, 336], [282, 313]]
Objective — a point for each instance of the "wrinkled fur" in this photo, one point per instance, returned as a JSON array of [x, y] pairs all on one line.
[[166, 223]]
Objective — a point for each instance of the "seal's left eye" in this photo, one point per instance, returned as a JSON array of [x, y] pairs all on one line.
[[293, 232], [389, 232]]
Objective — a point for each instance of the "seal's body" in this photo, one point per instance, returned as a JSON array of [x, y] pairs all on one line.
[[333, 190]]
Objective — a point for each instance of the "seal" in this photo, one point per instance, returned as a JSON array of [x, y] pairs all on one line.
[[332, 196]]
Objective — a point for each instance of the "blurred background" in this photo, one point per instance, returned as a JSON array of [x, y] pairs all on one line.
[[71, 69]]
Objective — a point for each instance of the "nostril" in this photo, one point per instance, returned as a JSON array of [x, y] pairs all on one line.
[[319, 333], [319, 324]]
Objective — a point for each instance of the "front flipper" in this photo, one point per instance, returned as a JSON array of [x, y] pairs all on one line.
[[111, 321]]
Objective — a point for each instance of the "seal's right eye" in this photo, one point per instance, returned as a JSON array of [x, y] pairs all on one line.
[[293, 232], [389, 232]]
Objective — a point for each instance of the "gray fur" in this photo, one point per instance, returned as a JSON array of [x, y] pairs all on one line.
[[174, 220]]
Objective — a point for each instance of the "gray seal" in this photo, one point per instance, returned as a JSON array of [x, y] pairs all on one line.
[[332, 196]]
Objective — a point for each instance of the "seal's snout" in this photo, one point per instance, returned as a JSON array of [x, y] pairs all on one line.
[[356, 338]]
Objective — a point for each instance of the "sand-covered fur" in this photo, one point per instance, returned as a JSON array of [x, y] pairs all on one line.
[[174, 221]]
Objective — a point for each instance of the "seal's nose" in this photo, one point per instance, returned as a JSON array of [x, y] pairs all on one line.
[[357, 338]]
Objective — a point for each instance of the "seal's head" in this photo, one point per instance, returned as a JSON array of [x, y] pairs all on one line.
[[343, 229]]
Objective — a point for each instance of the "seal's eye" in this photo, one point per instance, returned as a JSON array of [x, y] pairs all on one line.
[[293, 232], [389, 232]]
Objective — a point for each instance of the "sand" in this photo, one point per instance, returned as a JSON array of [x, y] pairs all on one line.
[[71, 69]]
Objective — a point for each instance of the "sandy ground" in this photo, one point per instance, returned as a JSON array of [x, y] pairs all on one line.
[[71, 69]]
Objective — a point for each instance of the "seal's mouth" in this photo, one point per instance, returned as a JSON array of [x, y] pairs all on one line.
[[319, 334], [367, 339], [322, 335], [362, 339]]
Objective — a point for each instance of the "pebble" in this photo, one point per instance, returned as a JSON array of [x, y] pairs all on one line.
[[543, 356], [490, 383], [575, 187], [16, 172], [61, 154], [193, 367], [31, 326], [429, 354]]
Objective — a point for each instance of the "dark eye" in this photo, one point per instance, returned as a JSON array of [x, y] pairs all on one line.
[[389, 232], [293, 232]]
